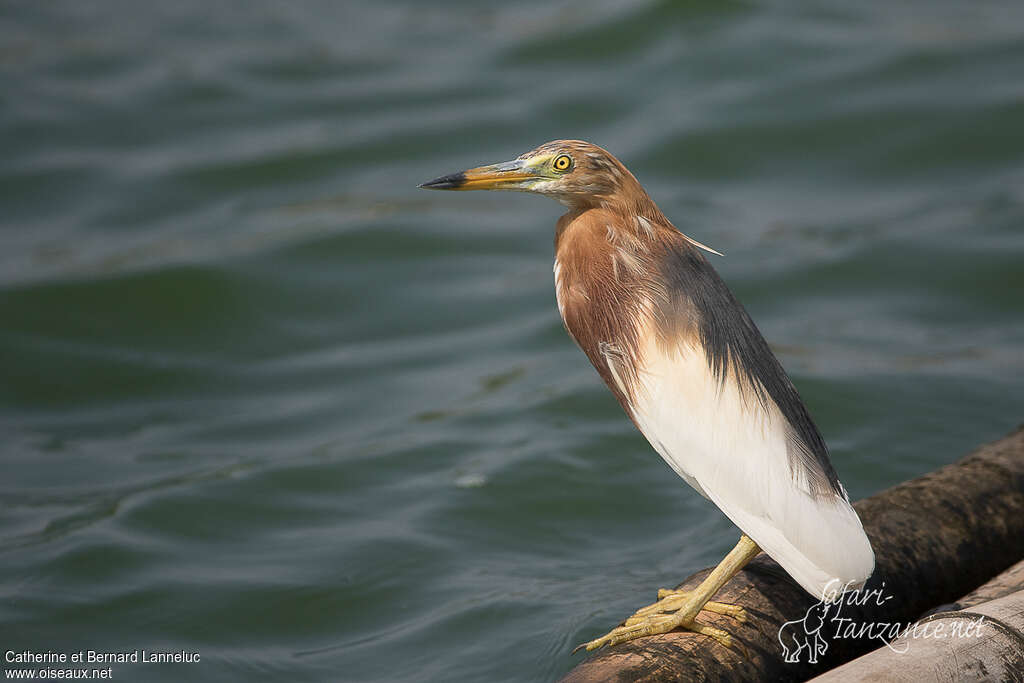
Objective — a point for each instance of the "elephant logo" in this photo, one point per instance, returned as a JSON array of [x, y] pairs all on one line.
[[805, 634]]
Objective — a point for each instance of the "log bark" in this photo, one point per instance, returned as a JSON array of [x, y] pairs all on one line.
[[936, 538]]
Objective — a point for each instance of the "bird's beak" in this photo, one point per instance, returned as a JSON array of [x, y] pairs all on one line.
[[508, 175]]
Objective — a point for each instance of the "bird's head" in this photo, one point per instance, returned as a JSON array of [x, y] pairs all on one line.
[[574, 172]]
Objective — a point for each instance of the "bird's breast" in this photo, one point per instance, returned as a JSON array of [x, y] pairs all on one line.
[[606, 317]]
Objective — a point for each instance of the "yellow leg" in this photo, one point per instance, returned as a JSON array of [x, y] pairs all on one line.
[[685, 605]]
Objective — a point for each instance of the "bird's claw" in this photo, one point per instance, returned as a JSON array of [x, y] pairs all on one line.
[[666, 615], [673, 600], [653, 625]]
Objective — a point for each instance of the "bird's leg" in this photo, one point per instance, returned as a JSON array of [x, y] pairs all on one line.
[[685, 605]]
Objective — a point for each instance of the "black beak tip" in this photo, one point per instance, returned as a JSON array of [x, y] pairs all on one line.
[[445, 182]]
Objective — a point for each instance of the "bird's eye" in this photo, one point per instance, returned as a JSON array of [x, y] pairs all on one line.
[[563, 163]]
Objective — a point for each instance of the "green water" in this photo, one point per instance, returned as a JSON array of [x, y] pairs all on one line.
[[264, 400]]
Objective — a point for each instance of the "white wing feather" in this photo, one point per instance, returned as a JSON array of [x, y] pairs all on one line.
[[733, 452]]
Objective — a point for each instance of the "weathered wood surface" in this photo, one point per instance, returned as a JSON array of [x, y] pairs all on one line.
[[1010, 581], [936, 538]]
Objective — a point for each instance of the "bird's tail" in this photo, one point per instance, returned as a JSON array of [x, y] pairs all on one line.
[[818, 540]]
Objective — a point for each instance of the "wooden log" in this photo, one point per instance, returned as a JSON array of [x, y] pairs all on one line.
[[1010, 581], [935, 537]]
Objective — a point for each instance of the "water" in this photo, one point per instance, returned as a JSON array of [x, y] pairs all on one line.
[[264, 400]]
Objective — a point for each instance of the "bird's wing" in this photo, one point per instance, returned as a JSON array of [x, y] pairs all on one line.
[[717, 406]]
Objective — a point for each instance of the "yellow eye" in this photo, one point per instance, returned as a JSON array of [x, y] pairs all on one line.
[[563, 163]]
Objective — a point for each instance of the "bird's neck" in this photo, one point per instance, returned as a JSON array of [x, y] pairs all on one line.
[[604, 258], [634, 211], [629, 197]]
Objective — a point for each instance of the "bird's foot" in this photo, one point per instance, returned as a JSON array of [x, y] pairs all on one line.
[[675, 600], [672, 611]]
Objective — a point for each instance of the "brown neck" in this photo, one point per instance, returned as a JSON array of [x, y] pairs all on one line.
[[629, 204]]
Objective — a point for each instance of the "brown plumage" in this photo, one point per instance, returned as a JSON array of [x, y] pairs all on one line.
[[690, 368], [609, 289]]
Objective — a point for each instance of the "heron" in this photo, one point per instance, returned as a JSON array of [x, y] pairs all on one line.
[[692, 371]]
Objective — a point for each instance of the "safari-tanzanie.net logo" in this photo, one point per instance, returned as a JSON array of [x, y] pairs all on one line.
[[807, 638]]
